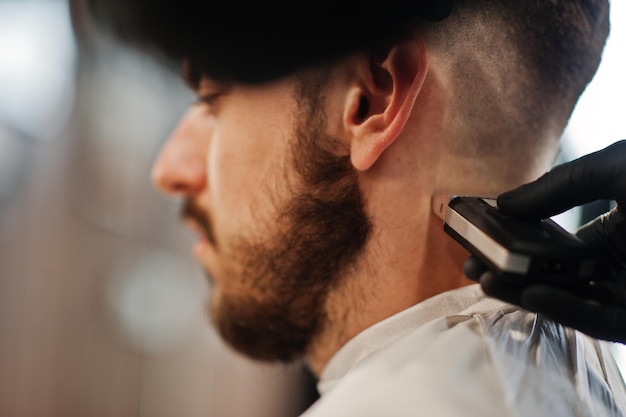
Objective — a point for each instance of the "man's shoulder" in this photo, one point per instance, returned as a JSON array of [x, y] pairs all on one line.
[[486, 360]]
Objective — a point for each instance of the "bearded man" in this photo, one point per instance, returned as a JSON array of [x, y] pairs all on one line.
[[307, 168]]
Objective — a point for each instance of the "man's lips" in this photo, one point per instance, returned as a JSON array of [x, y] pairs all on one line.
[[202, 244], [197, 219], [195, 227]]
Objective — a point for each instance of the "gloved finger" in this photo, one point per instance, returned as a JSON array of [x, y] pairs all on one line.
[[589, 316], [599, 175], [473, 268], [501, 288], [607, 232]]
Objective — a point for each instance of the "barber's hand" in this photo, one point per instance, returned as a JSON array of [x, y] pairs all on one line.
[[597, 308]]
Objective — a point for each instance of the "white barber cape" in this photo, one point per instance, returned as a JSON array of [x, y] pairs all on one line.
[[463, 354]]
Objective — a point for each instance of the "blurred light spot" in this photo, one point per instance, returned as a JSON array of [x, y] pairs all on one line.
[[37, 57], [156, 307], [598, 119]]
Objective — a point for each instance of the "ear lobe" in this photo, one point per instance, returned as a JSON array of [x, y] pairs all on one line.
[[382, 104]]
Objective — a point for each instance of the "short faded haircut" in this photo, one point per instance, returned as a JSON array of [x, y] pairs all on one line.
[[518, 67]]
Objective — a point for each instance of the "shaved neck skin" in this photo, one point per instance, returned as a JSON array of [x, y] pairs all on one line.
[[409, 258]]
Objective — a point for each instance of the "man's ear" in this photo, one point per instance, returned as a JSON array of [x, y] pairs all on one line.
[[378, 108]]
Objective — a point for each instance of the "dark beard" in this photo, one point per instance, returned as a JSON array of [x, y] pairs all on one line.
[[327, 228]]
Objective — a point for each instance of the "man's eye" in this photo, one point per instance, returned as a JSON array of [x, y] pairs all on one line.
[[208, 99]]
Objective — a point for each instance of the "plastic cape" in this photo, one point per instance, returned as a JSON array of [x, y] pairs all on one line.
[[462, 354]]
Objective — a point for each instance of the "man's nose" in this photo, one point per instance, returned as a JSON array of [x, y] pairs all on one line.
[[180, 168]]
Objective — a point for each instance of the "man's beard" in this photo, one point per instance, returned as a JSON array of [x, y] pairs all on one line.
[[283, 282]]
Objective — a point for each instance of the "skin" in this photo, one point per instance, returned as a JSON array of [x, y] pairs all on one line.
[[390, 118]]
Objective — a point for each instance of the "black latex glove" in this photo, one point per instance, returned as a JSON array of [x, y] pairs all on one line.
[[597, 308]]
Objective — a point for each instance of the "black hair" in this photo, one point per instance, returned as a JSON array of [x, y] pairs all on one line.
[[256, 41]]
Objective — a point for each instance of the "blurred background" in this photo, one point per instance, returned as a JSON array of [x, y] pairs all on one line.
[[101, 303]]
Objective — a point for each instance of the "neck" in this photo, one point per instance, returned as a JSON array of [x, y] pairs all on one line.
[[403, 265]]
